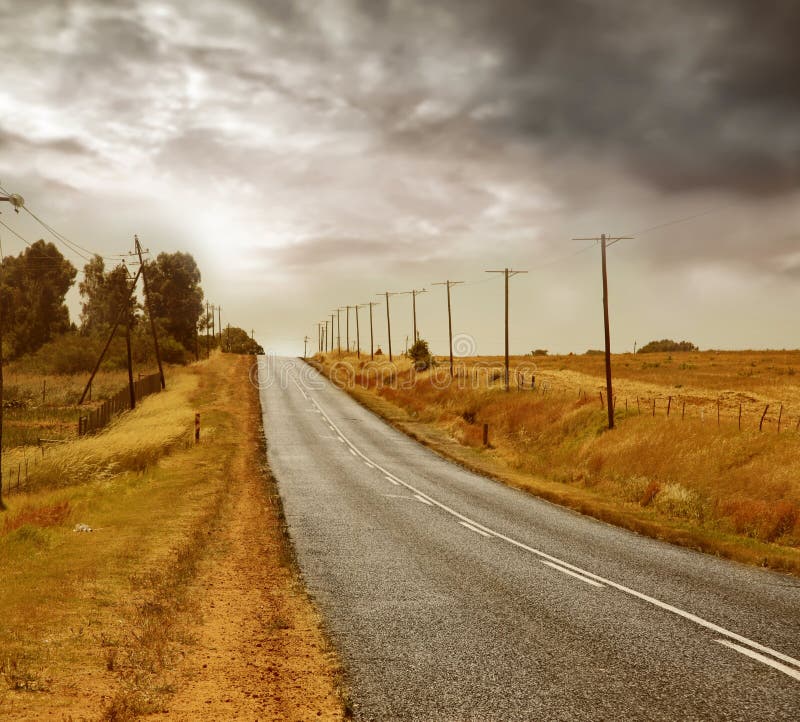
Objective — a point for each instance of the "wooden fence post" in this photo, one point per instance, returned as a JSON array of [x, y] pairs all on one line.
[[683, 410], [717, 413], [601, 400], [654, 406], [740, 416], [763, 416], [780, 415], [486, 434], [197, 428], [669, 405]]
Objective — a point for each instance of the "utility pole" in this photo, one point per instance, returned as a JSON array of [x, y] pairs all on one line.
[[347, 326], [508, 273], [219, 318], [449, 318], [388, 319], [604, 242], [125, 309], [17, 201], [150, 311], [358, 333], [306, 339], [414, 293], [339, 330], [371, 338], [208, 340], [213, 323]]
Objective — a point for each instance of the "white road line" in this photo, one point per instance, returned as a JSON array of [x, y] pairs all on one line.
[[389, 478], [571, 573], [352, 452], [563, 564], [761, 658], [367, 464], [343, 440], [472, 528], [422, 499]]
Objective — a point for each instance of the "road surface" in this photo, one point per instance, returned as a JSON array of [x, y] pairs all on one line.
[[453, 597]]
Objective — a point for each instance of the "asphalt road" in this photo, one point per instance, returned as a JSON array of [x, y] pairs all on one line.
[[453, 597]]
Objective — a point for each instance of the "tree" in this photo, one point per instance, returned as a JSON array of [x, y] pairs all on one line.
[[34, 285], [420, 354], [176, 298], [104, 293], [236, 340]]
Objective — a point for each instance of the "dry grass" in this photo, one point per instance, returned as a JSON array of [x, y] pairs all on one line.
[[735, 492], [91, 620]]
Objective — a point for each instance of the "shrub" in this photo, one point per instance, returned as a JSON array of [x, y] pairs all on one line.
[[420, 354], [667, 345]]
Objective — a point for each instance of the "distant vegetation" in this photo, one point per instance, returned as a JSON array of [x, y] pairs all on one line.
[[667, 345], [539, 352], [38, 333]]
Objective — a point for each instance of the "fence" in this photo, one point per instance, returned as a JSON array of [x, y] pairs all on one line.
[[121, 401]]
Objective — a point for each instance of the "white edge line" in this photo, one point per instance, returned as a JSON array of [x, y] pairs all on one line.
[[422, 499], [760, 658], [572, 574], [566, 565], [352, 452], [472, 528], [389, 478]]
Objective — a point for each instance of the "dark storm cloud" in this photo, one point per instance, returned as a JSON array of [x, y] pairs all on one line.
[[687, 95]]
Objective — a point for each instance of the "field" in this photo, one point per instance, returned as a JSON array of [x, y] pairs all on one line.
[[183, 596], [705, 452]]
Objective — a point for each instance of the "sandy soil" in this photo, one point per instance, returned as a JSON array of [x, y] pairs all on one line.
[[258, 651]]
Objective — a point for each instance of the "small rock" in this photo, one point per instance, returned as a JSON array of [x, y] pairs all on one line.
[[82, 527]]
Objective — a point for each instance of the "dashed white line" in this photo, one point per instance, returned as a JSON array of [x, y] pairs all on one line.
[[583, 574], [352, 452], [472, 528], [422, 499], [368, 465]]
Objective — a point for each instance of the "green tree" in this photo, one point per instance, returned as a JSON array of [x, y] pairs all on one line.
[[34, 285], [104, 293], [236, 340], [176, 297]]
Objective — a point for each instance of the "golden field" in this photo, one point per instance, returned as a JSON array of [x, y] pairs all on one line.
[[693, 477]]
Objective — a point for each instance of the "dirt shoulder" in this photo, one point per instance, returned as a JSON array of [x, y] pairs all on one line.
[[259, 650]]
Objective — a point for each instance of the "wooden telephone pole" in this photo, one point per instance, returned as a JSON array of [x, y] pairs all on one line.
[[338, 330], [150, 311], [347, 327], [358, 333], [414, 293], [507, 272], [306, 339], [604, 242], [449, 317], [371, 338], [388, 319]]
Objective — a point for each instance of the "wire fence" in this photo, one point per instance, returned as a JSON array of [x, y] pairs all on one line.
[[15, 476], [119, 402]]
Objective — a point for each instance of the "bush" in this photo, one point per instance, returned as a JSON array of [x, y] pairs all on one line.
[[420, 354], [539, 352], [667, 345]]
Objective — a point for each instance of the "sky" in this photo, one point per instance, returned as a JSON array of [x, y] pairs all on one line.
[[311, 154]]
